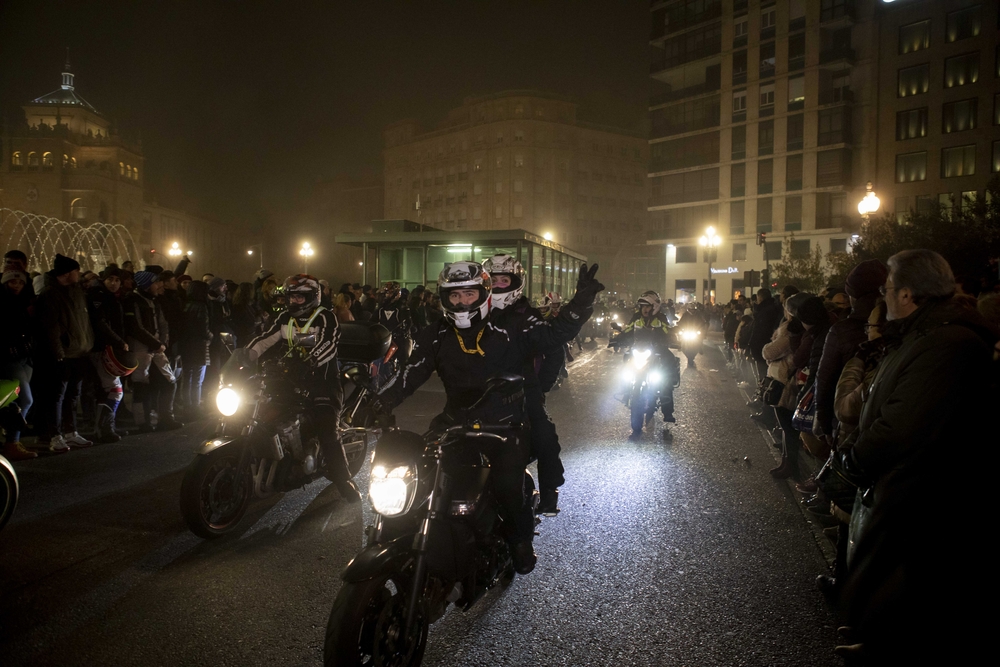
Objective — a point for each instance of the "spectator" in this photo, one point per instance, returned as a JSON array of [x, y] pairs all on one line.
[[342, 306], [64, 338], [780, 355], [128, 266], [766, 317], [194, 348], [816, 320], [843, 339], [244, 318], [730, 323], [434, 310], [184, 281], [172, 304], [15, 350], [111, 356], [219, 322], [15, 260], [917, 555], [207, 278], [153, 382], [357, 310]]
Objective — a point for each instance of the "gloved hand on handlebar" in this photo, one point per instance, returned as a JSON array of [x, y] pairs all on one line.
[[587, 287]]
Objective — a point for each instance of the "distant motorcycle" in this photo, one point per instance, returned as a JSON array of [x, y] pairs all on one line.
[[10, 418], [691, 341], [437, 538], [645, 374], [264, 443]]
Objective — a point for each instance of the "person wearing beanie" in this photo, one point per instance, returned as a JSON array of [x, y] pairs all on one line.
[[111, 356], [63, 341], [153, 380], [862, 288]]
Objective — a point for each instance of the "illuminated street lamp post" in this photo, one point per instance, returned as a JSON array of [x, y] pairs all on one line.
[[710, 241], [175, 250], [260, 253], [869, 204], [306, 252]]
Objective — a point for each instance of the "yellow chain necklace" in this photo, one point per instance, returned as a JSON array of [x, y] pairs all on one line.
[[478, 349]]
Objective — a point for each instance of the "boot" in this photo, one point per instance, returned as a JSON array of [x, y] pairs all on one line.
[[523, 554], [106, 425], [548, 501], [15, 451], [783, 471]]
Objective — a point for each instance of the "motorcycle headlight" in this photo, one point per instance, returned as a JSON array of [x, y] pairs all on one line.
[[688, 334], [655, 377], [600, 319], [640, 357], [392, 490], [614, 317], [228, 401], [627, 374]]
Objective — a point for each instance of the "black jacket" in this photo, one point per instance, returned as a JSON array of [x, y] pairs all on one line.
[[841, 344], [63, 328], [396, 318], [539, 370], [766, 318], [144, 321], [197, 334], [15, 334], [107, 317]]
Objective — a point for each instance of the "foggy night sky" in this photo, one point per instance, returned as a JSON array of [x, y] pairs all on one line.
[[241, 105]]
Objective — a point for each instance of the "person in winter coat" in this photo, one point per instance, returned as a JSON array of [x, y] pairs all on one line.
[[219, 323], [766, 317], [816, 321], [111, 356], [341, 306], [64, 339], [780, 357], [843, 340], [15, 351], [153, 382], [245, 318], [194, 344], [265, 285], [918, 549]]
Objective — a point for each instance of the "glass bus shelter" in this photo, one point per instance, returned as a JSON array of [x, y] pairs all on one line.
[[414, 258]]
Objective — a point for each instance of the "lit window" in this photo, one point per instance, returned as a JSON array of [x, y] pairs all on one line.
[[121, 168], [996, 157], [72, 163], [518, 160], [915, 36], [958, 161], [911, 124], [47, 160], [959, 116], [77, 210], [914, 80], [16, 161], [32, 160], [65, 161], [961, 70], [963, 24], [911, 167]]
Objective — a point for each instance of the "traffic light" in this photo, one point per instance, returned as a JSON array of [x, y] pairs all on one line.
[[751, 278], [761, 238], [765, 277]]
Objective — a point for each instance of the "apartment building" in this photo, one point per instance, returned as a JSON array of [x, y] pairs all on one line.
[[772, 116], [524, 160]]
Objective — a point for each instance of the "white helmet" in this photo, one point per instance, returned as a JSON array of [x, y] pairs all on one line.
[[509, 266], [550, 301], [465, 275], [650, 298]]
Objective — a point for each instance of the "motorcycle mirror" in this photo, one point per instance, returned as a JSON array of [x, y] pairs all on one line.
[[616, 326]]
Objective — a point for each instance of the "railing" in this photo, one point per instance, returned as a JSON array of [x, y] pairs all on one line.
[[712, 48], [836, 53], [739, 77], [795, 63], [836, 11], [797, 24], [836, 95], [681, 93]]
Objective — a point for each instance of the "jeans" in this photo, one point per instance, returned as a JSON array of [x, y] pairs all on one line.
[[192, 380], [58, 390], [21, 371]]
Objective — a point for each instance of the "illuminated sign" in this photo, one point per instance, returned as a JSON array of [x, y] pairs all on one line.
[[728, 269]]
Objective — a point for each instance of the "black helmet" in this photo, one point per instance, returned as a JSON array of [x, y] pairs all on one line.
[[302, 284]]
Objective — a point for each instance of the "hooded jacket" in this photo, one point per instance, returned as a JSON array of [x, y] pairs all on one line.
[[766, 317]]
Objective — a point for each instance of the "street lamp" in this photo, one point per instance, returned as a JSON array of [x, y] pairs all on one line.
[[710, 241], [547, 236], [306, 252], [260, 253], [175, 250], [869, 204]]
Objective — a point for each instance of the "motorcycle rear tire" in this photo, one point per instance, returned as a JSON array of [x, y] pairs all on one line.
[[638, 408], [365, 619], [209, 483], [8, 492]]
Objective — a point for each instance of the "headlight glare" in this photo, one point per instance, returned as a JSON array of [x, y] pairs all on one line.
[[391, 490], [655, 377], [640, 357], [228, 401]]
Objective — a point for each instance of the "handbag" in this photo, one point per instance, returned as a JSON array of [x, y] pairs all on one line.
[[805, 412], [772, 392]]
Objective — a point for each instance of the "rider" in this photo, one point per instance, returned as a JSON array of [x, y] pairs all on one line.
[[466, 348], [693, 319], [648, 317], [510, 308], [307, 334]]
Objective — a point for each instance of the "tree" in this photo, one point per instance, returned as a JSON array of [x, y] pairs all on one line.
[[805, 272]]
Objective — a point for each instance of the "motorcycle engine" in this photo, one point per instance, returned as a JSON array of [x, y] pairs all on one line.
[[290, 433]]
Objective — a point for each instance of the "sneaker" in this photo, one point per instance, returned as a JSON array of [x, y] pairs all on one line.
[[58, 445], [76, 441], [15, 451]]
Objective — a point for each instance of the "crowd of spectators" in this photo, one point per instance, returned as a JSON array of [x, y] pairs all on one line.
[[78, 342], [888, 382]]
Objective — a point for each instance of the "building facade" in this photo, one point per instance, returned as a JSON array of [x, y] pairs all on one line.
[[524, 160], [770, 117], [66, 161]]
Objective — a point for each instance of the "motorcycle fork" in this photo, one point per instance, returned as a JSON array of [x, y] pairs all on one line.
[[245, 454], [420, 543]]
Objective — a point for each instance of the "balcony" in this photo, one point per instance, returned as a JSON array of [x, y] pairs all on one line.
[[712, 48], [795, 63], [836, 96], [767, 33], [682, 93], [739, 77], [740, 6], [797, 24], [842, 54], [837, 12]]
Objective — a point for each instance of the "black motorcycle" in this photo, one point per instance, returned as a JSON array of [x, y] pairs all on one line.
[[436, 540], [264, 443], [646, 373]]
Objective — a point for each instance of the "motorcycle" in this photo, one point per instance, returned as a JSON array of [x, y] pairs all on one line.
[[690, 343], [10, 418], [264, 443], [436, 539], [645, 374]]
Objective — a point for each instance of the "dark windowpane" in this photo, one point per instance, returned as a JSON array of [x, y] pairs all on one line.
[[915, 36], [995, 166], [765, 137], [794, 132], [831, 210], [764, 214], [834, 126], [963, 24], [687, 254], [911, 124], [958, 161], [914, 80], [739, 176], [793, 172], [739, 67], [799, 249], [793, 214], [739, 142], [961, 70], [765, 176], [796, 52], [690, 151], [959, 116], [838, 245], [767, 60], [739, 252], [736, 217], [911, 167], [833, 167]]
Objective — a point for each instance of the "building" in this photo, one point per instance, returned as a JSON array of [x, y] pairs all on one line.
[[66, 161], [524, 160], [772, 117], [412, 254]]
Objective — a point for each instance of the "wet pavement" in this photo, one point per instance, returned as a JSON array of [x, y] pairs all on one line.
[[669, 550]]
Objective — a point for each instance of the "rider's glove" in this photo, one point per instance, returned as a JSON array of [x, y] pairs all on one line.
[[587, 287]]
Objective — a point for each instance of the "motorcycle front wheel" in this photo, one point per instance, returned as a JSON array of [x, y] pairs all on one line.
[[215, 494], [366, 625], [8, 492]]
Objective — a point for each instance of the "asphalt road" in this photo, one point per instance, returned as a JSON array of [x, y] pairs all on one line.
[[668, 551]]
